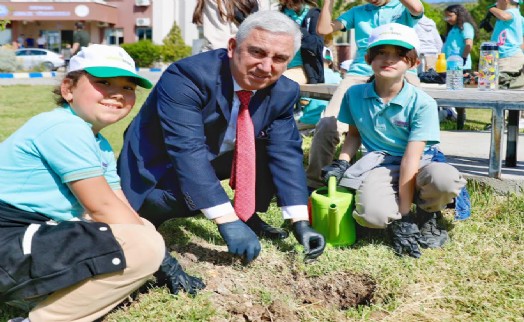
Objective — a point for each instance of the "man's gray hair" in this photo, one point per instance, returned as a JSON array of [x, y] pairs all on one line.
[[272, 21]]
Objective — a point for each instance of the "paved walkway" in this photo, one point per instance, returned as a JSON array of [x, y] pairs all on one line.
[[469, 152]]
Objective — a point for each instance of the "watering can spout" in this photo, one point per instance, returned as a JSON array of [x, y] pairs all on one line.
[[334, 218]]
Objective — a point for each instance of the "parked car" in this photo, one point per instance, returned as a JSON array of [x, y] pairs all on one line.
[[35, 58]]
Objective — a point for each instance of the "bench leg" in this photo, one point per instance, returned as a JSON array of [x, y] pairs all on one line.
[[512, 139], [461, 117]]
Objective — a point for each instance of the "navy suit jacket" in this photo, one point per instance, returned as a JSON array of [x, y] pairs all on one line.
[[181, 126]]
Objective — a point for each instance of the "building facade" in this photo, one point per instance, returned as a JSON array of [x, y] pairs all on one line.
[[108, 21]]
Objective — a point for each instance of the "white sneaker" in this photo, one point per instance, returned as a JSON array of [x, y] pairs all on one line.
[[19, 319]]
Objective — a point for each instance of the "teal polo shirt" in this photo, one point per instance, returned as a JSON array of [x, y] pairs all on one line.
[[411, 116], [44, 155], [455, 42], [508, 34], [364, 19]]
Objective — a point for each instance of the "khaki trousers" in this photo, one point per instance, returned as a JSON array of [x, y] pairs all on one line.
[[376, 201], [329, 129], [512, 64], [297, 74], [144, 250], [431, 61]]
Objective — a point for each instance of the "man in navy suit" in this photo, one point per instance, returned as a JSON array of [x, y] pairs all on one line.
[[180, 145]]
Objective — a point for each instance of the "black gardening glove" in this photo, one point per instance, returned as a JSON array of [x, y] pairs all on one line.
[[240, 239], [173, 276], [335, 169], [312, 240], [405, 236], [486, 23]]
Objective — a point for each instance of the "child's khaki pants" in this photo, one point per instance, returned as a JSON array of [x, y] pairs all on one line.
[[89, 300]]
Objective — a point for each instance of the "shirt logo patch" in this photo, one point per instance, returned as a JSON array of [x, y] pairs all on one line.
[[400, 123]]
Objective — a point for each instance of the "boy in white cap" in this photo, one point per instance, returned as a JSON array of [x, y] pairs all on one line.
[[72, 247], [398, 125], [362, 19]]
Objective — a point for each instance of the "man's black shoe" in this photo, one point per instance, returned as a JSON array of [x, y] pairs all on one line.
[[264, 230], [431, 234]]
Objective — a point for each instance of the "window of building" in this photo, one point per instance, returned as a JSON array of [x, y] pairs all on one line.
[[144, 33], [113, 36]]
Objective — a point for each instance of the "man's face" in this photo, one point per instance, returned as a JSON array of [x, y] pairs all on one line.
[[260, 59]]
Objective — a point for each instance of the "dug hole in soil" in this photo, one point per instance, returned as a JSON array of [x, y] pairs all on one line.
[[240, 293]]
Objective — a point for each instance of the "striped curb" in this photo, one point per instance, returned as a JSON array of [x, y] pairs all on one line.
[[28, 75], [152, 69]]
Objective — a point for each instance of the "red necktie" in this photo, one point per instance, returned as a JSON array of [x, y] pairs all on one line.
[[243, 170]]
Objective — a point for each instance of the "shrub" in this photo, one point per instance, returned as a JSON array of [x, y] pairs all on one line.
[[174, 46], [144, 52], [7, 61]]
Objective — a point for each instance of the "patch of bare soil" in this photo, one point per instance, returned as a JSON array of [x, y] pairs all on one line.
[[272, 289], [341, 290]]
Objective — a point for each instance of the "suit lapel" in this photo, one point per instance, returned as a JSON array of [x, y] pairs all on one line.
[[259, 108], [225, 89]]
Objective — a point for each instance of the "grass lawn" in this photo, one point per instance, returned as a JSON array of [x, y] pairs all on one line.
[[477, 276]]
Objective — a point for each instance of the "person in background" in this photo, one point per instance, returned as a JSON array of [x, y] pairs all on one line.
[[30, 42], [311, 109], [71, 246], [21, 41], [81, 38], [460, 33], [220, 19], [331, 75], [363, 19], [41, 41], [430, 41], [183, 141], [66, 54], [508, 34], [398, 125], [344, 67], [307, 66]]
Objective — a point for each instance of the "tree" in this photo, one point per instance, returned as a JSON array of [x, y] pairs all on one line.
[[174, 46], [3, 24]]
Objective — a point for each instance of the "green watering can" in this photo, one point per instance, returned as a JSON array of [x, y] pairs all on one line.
[[331, 214]]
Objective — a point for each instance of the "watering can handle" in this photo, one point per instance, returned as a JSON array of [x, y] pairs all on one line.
[[332, 186]]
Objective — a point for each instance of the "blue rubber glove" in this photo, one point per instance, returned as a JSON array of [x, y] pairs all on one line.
[[313, 242], [240, 239]]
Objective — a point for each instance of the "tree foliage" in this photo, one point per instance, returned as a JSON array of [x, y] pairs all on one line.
[[174, 46], [144, 52], [3, 24]]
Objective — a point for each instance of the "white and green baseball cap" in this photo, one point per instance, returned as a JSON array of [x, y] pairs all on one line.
[[394, 34], [107, 61]]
